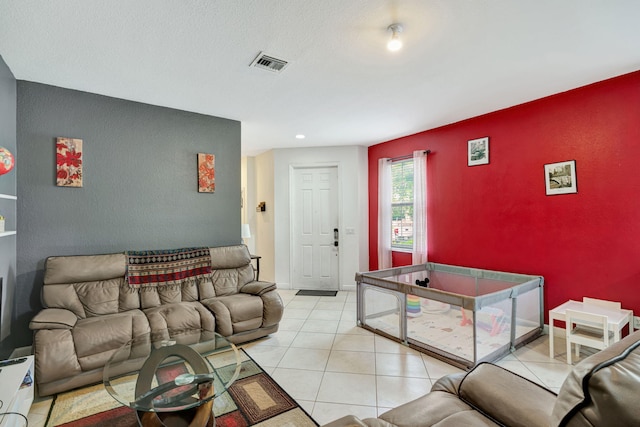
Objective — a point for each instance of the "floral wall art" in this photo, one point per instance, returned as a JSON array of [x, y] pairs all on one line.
[[206, 173], [68, 162]]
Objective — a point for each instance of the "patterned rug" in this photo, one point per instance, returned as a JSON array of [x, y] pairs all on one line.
[[254, 399]]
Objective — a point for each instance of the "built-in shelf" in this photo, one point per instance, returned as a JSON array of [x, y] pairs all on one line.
[[10, 197]]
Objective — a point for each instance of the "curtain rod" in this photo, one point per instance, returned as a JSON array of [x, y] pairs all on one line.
[[405, 157]]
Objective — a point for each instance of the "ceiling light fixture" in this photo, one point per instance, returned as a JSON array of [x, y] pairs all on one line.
[[394, 43], [299, 136]]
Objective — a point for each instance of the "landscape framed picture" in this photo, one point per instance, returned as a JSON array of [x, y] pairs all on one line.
[[478, 151], [560, 178]]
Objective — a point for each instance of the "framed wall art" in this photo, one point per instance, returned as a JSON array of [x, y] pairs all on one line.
[[68, 162], [478, 151], [206, 173], [560, 178]]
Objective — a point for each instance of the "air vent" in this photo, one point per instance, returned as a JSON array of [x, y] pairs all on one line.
[[270, 63]]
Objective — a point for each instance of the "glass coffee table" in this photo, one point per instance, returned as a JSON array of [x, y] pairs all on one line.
[[169, 377]]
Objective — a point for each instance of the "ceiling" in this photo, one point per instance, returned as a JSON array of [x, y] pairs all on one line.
[[461, 58]]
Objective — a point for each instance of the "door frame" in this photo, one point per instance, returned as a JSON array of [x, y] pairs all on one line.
[[316, 165]]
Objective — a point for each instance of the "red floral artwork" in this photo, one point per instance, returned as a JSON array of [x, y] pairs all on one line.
[[206, 173], [6, 161], [68, 162]]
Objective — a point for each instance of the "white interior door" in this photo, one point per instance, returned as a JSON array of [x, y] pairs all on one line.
[[314, 228]]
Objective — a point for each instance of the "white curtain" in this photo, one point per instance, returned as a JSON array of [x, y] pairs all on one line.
[[419, 254], [384, 213]]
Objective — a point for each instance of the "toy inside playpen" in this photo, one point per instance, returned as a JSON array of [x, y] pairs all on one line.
[[490, 319]]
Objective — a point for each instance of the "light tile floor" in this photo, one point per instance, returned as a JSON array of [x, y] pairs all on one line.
[[333, 368]]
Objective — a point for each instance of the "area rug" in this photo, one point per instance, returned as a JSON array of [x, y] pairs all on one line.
[[254, 399], [311, 293]]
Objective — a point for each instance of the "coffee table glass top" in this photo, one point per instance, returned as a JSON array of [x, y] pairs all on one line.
[[171, 371]]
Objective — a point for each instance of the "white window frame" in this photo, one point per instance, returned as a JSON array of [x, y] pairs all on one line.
[[394, 246]]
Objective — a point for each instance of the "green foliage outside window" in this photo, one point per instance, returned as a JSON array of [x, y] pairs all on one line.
[[402, 204]]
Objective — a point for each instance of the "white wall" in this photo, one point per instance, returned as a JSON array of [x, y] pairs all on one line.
[[248, 210], [353, 202], [269, 182], [262, 190]]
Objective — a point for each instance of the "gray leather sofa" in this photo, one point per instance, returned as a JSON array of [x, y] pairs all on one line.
[[90, 311], [601, 391]]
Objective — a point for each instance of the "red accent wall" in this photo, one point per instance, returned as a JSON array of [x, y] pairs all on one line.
[[397, 258], [498, 217]]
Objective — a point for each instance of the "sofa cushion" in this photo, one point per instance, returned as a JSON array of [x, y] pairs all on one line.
[[206, 289], [243, 307], [53, 318], [149, 298], [427, 410], [224, 257], [602, 388], [84, 268], [154, 296], [97, 338], [466, 418], [497, 393], [128, 298], [63, 296], [236, 313], [272, 308], [189, 292], [257, 288], [99, 297], [225, 282], [169, 294], [88, 285], [180, 317], [55, 355]]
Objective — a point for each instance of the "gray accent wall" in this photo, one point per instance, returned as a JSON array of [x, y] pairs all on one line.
[[140, 183], [7, 207]]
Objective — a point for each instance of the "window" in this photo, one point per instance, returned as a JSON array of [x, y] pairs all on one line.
[[402, 204]]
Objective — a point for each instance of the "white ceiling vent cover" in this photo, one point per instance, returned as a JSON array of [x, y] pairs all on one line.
[[268, 62]]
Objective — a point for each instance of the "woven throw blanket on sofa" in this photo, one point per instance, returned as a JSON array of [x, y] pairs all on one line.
[[173, 267]]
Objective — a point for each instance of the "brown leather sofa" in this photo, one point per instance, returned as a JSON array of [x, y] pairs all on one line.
[[602, 390], [90, 311]]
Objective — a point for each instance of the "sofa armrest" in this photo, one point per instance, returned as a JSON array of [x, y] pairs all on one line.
[[499, 394], [449, 383], [257, 288], [53, 318]]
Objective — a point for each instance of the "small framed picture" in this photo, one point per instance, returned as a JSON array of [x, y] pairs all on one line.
[[68, 162], [478, 150], [206, 173], [560, 178]]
